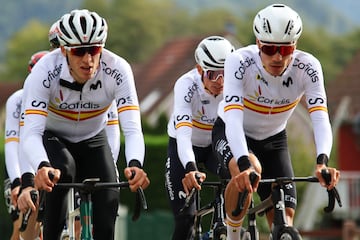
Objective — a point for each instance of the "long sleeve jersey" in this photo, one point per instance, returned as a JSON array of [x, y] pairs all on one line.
[[194, 115], [259, 105], [54, 101]]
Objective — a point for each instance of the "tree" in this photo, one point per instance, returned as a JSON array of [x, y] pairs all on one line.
[[30, 39], [136, 28]]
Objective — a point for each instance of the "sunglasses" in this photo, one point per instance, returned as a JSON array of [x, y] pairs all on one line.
[[271, 50], [83, 49], [213, 76]]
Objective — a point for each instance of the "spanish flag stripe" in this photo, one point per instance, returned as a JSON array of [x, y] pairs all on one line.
[[183, 124], [318, 108], [233, 106], [113, 122], [126, 108], [234, 225], [266, 110], [75, 116], [11, 139], [202, 125], [35, 111]]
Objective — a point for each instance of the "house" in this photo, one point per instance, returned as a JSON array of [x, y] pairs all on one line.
[[344, 104]]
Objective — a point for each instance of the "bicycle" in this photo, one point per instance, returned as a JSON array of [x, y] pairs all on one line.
[[86, 188], [217, 228], [280, 229]]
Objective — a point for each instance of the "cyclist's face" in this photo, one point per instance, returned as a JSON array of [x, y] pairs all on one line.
[[82, 68], [214, 85], [274, 64]]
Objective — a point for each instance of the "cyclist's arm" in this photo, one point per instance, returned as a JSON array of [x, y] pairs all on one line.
[[113, 131], [129, 115], [183, 117], [317, 106], [234, 112], [12, 128], [35, 105]]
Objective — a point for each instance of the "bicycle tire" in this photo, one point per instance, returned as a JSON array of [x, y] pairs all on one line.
[[246, 235], [220, 233], [289, 233]]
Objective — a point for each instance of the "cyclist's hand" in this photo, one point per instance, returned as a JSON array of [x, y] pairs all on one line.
[[241, 180], [139, 179], [15, 195], [335, 176], [190, 181], [24, 201], [43, 181]]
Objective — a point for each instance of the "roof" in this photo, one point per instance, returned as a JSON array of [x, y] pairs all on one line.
[[155, 80]]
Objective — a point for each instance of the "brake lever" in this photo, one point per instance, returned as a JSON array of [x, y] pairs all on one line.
[[140, 200], [190, 198], [333, 194], [26, 216], [243, 196]]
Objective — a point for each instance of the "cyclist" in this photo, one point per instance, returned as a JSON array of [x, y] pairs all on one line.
[[65, 116], [112, 127], [263, 84], [12, 161], [196, 97]]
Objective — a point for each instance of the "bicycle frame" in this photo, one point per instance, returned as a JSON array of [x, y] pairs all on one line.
[[214, 207]]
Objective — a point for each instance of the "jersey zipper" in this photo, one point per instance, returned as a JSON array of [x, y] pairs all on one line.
[[79, 112]]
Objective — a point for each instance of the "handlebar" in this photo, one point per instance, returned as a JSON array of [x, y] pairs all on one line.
[[190, 198], [92, 184], [333, 194]]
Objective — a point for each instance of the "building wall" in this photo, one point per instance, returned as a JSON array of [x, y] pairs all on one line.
[[348, 148]]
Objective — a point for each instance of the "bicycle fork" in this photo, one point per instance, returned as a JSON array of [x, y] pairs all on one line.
[[279, 221], [86, 217], [252, 229]]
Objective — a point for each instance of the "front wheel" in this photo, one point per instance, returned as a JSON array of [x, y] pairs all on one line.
[[289, 233], [220, 233], [249, 234]]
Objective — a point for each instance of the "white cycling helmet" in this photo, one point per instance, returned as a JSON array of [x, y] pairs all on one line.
[[53, 36], [211, 52], [277, 23], [82, 27], [35, 58]]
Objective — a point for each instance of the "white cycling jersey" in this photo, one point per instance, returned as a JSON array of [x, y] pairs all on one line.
[[54, 101], [193, 117], [259, 104], [14, 122]]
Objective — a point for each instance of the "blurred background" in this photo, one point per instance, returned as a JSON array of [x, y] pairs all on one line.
[[158, 38]]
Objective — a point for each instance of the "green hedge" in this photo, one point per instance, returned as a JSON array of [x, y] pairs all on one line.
[[154, 165]]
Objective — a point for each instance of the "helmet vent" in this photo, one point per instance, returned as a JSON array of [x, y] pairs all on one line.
[[288, 28], [73, 28], [208, 54], [266, 26]]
